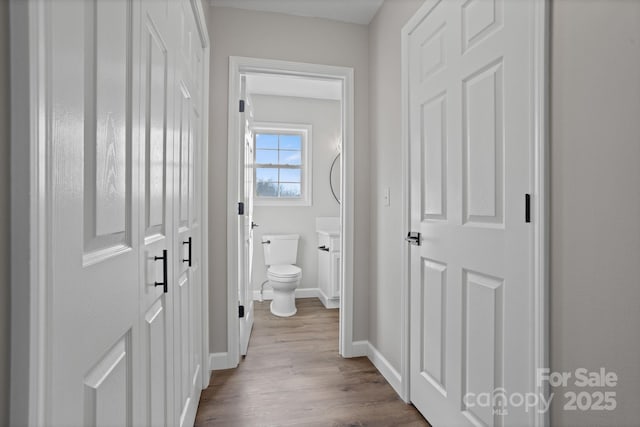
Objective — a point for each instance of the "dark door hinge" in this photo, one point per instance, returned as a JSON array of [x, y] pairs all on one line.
[[240, 208], [527, 208], [241, 311], [242, 105]]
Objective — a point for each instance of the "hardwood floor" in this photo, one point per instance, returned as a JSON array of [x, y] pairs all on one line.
[[293, 376]]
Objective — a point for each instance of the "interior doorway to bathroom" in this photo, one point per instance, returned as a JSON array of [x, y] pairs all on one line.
[[250, 76]]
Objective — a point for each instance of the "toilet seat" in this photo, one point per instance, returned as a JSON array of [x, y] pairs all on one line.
[[287, 271]]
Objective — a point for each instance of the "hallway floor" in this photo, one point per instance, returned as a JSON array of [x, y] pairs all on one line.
[[293, 376]]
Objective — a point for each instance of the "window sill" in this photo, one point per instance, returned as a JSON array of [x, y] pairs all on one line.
[[282, 202]]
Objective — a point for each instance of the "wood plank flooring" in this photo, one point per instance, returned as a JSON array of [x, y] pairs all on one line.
[[293, 376]]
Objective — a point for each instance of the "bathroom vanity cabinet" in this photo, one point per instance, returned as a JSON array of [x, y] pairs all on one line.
[[329, 264]]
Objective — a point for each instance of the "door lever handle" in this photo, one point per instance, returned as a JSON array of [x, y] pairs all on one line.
[[165, 282], [413, 238], [188, 260]]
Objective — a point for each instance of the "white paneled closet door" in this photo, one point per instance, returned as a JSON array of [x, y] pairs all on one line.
[[157, 59], [93, 301], [187, 225], [123, 132]]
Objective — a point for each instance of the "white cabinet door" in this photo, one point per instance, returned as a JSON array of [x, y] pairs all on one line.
[[470, 107]]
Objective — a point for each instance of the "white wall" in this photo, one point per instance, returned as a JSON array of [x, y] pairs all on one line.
[[5, 281], [325, 118], [595, 199], [385, 132], [237, 32]]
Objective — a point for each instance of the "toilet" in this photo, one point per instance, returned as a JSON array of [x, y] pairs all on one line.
[[280, 254]]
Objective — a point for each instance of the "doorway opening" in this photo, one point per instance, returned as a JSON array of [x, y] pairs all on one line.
[[293, 186]]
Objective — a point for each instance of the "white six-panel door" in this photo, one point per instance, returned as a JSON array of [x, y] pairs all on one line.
[[124, 326], [245, 244], [470, 133]]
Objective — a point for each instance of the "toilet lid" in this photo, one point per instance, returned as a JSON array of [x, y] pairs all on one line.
[[284, 270]]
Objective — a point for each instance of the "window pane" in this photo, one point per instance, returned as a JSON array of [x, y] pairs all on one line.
[[290, 175], [265, 140], [290, 142], [290, 157], [290, 190], [267, 174], [266, 189], [267, 157]]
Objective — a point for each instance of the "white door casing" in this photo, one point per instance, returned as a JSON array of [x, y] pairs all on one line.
[[473, 116], [237, 67], [102, 164]]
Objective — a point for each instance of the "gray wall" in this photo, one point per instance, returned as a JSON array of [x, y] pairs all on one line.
[[385, 132], [5, 281], [236, 32], [595, 199], [325, 117]]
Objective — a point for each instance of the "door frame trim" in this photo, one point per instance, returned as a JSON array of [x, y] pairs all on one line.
[[30, 219], [30, 210], [539, 131], [237, 66], [203, 33]]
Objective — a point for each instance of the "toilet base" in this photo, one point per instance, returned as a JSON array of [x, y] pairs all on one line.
[[283, 303]]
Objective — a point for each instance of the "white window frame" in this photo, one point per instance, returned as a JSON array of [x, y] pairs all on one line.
[[306, 167]]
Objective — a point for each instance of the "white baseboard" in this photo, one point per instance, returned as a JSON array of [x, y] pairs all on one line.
[[300, 293], [358, 349], [328, 302], [392, 376], [218, 361]]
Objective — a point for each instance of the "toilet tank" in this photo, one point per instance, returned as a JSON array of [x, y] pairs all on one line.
[[280, 248]]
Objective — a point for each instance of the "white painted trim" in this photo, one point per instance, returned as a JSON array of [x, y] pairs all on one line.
[[204, 199], [328, 302], [405, 259], [30, 222], [219, 361], [267, 294], [239, 65], [387, 370], [360, 348], [541, 197], [541, 192], [201, 24]]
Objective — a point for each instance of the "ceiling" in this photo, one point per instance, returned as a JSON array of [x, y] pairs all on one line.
[[354, 11]]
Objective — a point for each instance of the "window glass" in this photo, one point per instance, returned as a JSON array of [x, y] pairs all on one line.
[[279, 168]]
